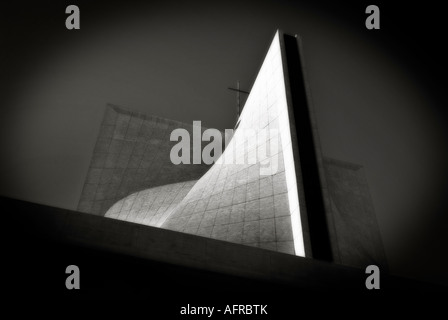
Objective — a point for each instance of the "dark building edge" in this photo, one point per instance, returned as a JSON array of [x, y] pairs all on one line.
[[310, 176], [119, 260]]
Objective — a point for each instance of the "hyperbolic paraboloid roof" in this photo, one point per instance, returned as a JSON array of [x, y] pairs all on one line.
[[251, 194]]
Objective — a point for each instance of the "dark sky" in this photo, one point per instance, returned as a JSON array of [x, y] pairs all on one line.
[[378, 95]]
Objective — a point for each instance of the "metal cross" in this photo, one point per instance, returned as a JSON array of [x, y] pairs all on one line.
[[238, 103]]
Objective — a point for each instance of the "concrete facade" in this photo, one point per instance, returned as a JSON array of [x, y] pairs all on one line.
[[132, 153], [261, 193], [239, 202], [151, 206], [236, 202], [356, 228]]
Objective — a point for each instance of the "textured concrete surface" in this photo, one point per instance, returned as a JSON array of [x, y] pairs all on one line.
[[358, 236], [359, 240], [151, 206], [132, 153], [232, 202], [241, 201]]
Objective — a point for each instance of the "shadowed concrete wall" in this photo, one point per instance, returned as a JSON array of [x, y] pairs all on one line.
[[106, 251], [356, 229], [132, 153]]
